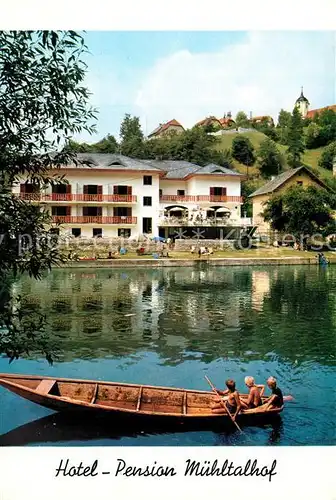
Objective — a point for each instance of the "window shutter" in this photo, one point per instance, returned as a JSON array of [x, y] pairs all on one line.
[[85, 211], [129, 190], [115, 189], [99, 189], [22, 188], [212, 191], [99, 211], [68, 211], [85, 189], [129, 212], [223, 191], [68, 188]]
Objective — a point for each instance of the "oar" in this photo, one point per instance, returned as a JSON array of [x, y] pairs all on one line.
[[288, 398], [223, 404]]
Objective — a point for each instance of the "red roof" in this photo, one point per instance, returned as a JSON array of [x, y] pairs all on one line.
[[207, 121], [226, 121], [313, 112], [161, 128]]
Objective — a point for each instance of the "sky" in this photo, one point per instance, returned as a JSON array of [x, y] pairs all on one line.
[[189, 75]]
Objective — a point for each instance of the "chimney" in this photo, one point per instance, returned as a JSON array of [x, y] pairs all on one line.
[[334, 166]]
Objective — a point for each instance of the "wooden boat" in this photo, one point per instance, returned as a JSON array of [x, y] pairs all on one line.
[[123, 400]]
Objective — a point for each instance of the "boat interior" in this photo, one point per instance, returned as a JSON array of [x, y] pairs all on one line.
[[125, 397], [138, 398]]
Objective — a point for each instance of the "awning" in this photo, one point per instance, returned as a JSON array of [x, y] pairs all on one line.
[[223, 210]]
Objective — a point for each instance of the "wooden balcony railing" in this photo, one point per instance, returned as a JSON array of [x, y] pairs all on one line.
[[92, 219], [199, 198], [111, 198]]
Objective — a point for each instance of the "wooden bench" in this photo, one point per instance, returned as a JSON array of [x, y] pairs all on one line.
[[45, 386]]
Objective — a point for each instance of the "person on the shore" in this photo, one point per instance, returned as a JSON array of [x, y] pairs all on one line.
[[232, 402], [255, 392], [276, 399]]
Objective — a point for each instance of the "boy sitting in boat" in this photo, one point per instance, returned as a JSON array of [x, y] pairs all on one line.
[[276, 399], [255, 393], [232, 402]]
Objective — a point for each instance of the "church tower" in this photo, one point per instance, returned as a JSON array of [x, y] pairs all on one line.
[[303, 104]]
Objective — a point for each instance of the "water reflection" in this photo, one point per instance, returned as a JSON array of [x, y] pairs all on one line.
[[287, 313], [61, 428]]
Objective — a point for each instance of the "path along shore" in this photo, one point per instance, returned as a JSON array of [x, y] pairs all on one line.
[[201, 262]]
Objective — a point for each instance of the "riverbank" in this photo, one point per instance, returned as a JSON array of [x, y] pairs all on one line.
[[187, 262]]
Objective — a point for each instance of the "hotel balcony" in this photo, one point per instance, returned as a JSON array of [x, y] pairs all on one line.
[[79, 198], [174, 198], [205, 222], [96, 219]]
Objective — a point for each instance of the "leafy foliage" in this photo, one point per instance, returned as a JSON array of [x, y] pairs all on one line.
[[284, 120], [241, 119], [328, 156], [270, 160], [300, 211], [295, 139], [243, 150], [42, 104]]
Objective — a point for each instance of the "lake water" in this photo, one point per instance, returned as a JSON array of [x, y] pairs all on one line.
[[173, 326]]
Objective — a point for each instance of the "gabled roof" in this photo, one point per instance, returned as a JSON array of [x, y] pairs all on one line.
[[226, 121], [313, 112], [111, 162], [164, 126], [168, 169], [175, 169], [207, 121], [212, 168], [279, 180]]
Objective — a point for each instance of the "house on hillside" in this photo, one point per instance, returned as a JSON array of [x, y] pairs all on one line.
[[210, 121], [173, 126], [268, 120], [301, 176], [227, 121]]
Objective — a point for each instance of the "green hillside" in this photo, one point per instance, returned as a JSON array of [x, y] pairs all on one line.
[[310, 157]]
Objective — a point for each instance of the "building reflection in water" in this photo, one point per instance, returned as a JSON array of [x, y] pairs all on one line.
[[178, 313]]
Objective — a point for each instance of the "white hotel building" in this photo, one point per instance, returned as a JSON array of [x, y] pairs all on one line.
[[119, 196]]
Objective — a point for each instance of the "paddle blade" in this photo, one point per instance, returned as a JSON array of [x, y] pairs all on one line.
[[288, 398]]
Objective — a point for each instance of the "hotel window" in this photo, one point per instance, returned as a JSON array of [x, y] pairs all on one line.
[[61, 211], [147, 201], [160, 193], [97, 232], [92, 211], [61, 189], [147, 180], [92, 189], [122, 190], [124, 232], [180, 192], [217, 191], [146, 225], [76, 232], [122, 212]]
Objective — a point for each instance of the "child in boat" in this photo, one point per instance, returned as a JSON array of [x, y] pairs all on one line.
[[276, 399], [232, 402], [255, 392]]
